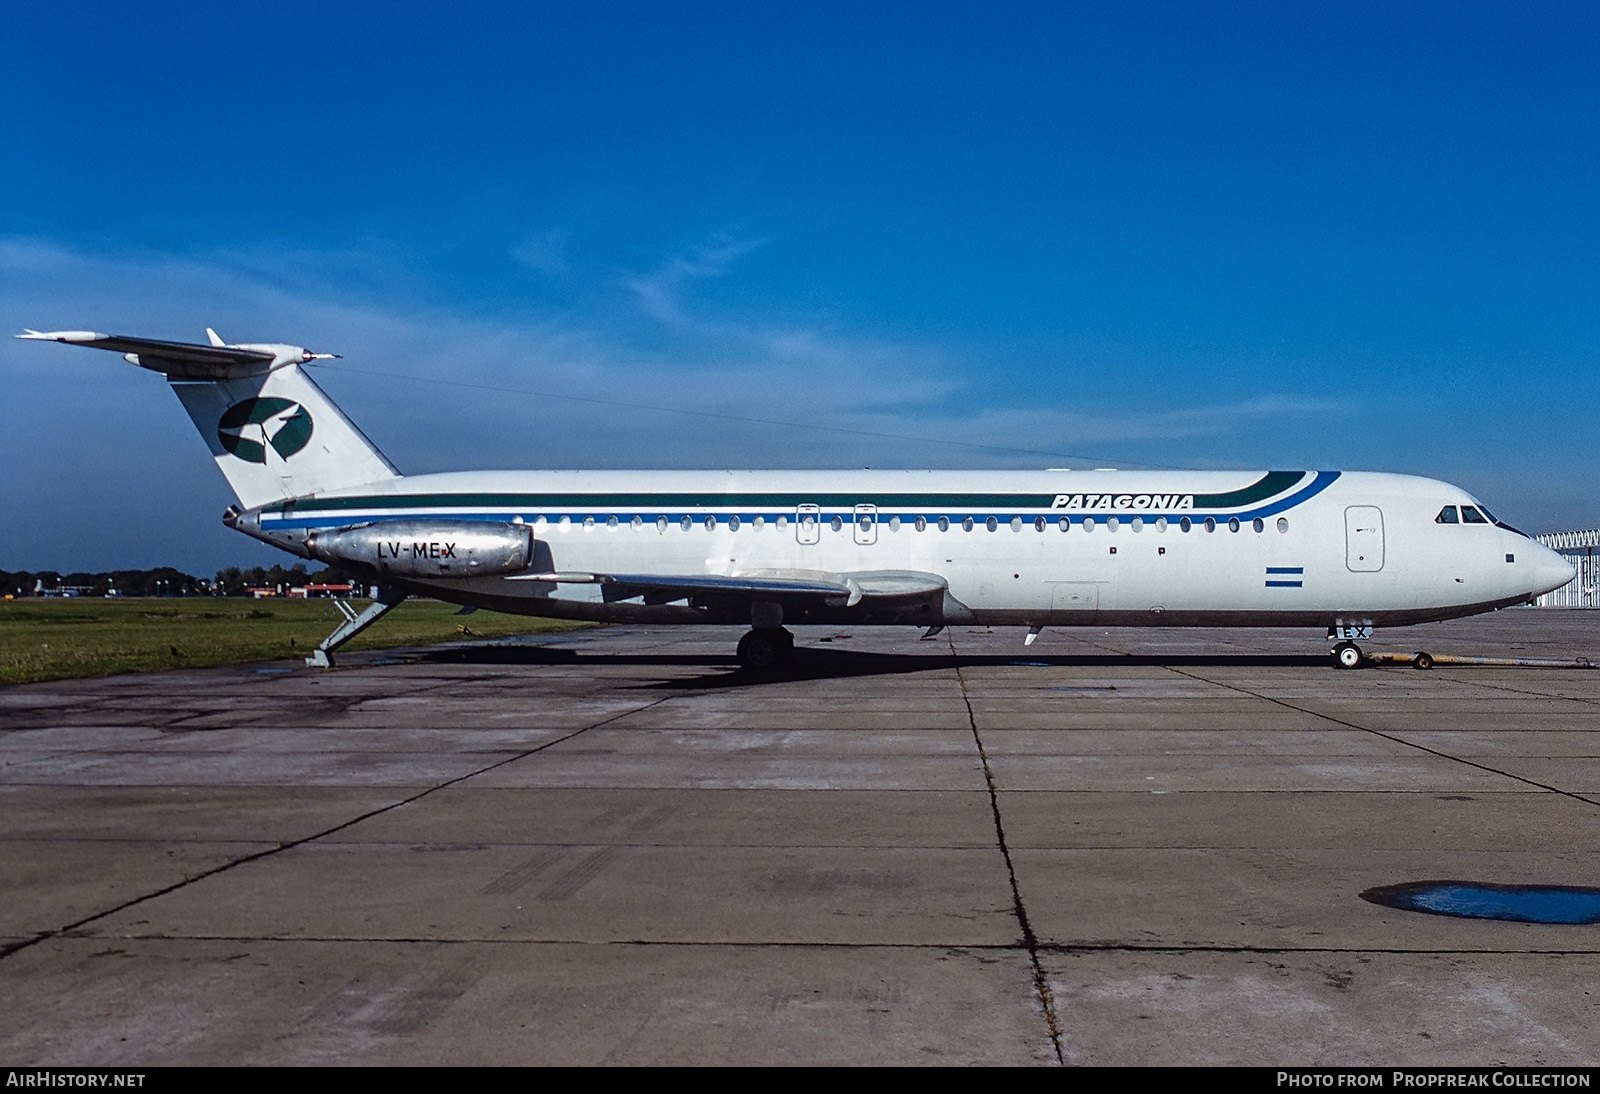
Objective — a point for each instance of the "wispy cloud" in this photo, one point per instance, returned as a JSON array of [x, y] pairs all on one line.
[[545, 252], [723, 389], [660, 292]]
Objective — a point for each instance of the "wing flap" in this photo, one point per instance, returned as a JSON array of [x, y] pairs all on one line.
[[665, 588], [843, 590]]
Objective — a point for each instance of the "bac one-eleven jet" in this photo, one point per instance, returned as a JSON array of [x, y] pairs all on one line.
[[1345, 551]]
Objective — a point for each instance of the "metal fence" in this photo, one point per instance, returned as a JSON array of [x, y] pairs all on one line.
[[1579, 549]]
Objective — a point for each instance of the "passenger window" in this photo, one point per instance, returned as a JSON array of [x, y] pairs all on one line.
[[966, 524], [1447, 515], [1283, 524], [922, 524], [1038, 524], [1211, 524], [944, 524], [1185, 524], [836, 524], [733, 524], [1469, 515], [1064, 524], [991, 524], [1259, 525]]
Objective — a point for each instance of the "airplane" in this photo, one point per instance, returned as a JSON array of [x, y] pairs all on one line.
[[1345, 551]]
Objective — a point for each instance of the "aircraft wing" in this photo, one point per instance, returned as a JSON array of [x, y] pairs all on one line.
[[840, 590]]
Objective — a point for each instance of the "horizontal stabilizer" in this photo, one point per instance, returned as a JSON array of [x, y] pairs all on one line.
[[186, 360]]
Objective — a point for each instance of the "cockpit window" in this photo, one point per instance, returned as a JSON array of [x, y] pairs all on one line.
[[1475, 514]]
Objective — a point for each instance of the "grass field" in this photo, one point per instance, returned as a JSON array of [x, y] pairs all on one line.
[[58, 639]]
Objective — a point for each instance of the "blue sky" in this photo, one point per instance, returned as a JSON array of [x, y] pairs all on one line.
[[1210, 235]]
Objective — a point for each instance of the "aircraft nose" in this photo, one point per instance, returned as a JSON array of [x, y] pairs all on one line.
[[1551, 571]]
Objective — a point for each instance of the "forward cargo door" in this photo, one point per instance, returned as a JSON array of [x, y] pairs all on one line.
[[1363, 538]]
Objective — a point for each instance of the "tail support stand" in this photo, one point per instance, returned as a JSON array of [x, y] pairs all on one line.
[[353, 625]]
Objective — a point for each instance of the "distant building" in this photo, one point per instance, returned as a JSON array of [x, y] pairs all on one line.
[[65, 590]]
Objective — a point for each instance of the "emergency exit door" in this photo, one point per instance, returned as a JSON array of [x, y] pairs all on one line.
[[866, 524], [808, 523]]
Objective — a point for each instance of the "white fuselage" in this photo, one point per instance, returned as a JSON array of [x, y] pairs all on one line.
[[1163, 548]]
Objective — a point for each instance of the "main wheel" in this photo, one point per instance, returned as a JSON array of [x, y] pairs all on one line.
[[1347, 655], [760, 650]]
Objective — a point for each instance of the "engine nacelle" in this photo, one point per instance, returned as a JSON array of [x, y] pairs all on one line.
[[427, 548]]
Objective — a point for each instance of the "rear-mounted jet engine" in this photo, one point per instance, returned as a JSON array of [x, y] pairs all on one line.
[[427, 548]]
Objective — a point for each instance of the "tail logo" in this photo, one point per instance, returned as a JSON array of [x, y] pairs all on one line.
[[249, 428]]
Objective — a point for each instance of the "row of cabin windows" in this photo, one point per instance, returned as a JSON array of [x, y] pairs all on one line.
[[1185, 524], [1469, 515]]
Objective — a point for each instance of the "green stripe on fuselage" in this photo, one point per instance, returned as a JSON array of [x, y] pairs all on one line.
[[1271, 483]]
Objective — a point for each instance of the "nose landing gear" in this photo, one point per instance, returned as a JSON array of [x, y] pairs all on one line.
[[1348, 655]]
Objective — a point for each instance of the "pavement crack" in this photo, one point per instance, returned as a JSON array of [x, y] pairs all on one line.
[[1584, 700], [10, 948], [1041, 982], [1391, 738]]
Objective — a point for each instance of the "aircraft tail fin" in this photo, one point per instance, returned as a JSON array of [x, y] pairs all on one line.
[[273, 432]]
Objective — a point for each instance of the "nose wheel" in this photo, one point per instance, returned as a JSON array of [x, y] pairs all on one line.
[[1347, 655], [765, 648]]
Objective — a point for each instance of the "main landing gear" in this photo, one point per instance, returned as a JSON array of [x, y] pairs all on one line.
[[765, 648]]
